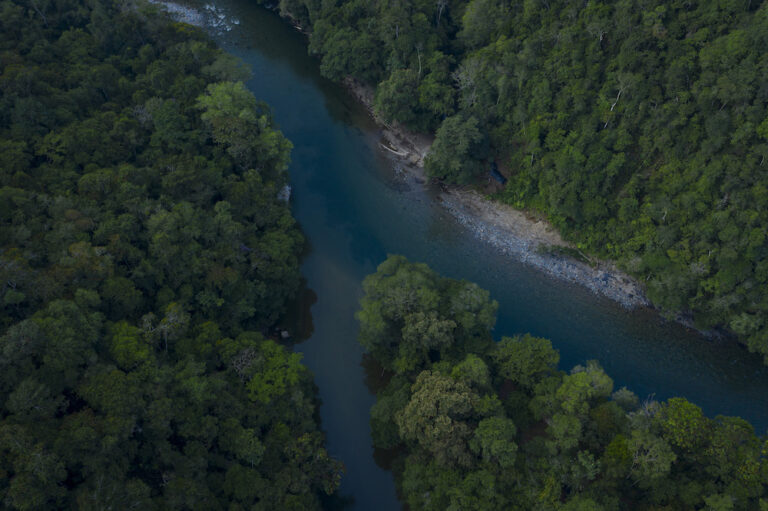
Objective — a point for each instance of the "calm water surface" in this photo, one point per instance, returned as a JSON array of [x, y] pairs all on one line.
[[355, 210]]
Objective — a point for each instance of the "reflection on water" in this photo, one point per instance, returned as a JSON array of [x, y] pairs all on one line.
[[354, 209]]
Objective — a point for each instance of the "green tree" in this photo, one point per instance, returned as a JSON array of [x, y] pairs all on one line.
[[455, 154], [524, 360], [240, 123], [494, 440], [397, 98], [435, 418]]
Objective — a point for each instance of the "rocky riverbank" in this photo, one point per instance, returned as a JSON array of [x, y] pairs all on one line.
[[209, 16], [532, 241]]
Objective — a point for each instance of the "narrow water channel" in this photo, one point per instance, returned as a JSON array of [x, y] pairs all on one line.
[[355, 209]]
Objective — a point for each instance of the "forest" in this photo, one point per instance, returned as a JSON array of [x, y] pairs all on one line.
[[145, 254], [474, 423], [639, 129]]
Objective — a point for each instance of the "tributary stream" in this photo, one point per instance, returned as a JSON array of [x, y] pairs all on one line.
[[355, 208]]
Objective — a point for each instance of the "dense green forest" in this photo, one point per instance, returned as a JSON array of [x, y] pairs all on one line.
[[144, 254], [484, 425], [639, 128]]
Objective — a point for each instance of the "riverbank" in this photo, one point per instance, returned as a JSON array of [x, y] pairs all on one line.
[[528, 240], [209, 17], [532, 242], [409, 146]]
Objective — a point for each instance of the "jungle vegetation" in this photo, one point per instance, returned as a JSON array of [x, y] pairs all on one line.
[[640, 129], [483, 425], [144, 254]]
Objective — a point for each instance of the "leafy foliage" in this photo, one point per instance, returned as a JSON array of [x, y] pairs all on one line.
[[495, 425], [143, 253], [458, 147]]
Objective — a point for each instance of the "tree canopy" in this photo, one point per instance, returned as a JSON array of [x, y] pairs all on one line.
[[144, 255], [477, 424]]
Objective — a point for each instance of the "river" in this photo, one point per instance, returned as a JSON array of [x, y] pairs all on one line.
[[355, 209]]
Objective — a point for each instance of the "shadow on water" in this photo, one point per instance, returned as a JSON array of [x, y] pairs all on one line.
[[376, 377], [297, 320], [337, 502]]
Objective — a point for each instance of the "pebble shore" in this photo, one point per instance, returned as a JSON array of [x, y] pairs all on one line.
[[604, 280]]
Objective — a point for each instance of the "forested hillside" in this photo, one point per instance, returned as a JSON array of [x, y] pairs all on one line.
[[475, 424], [639, 128], [143, 253]]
